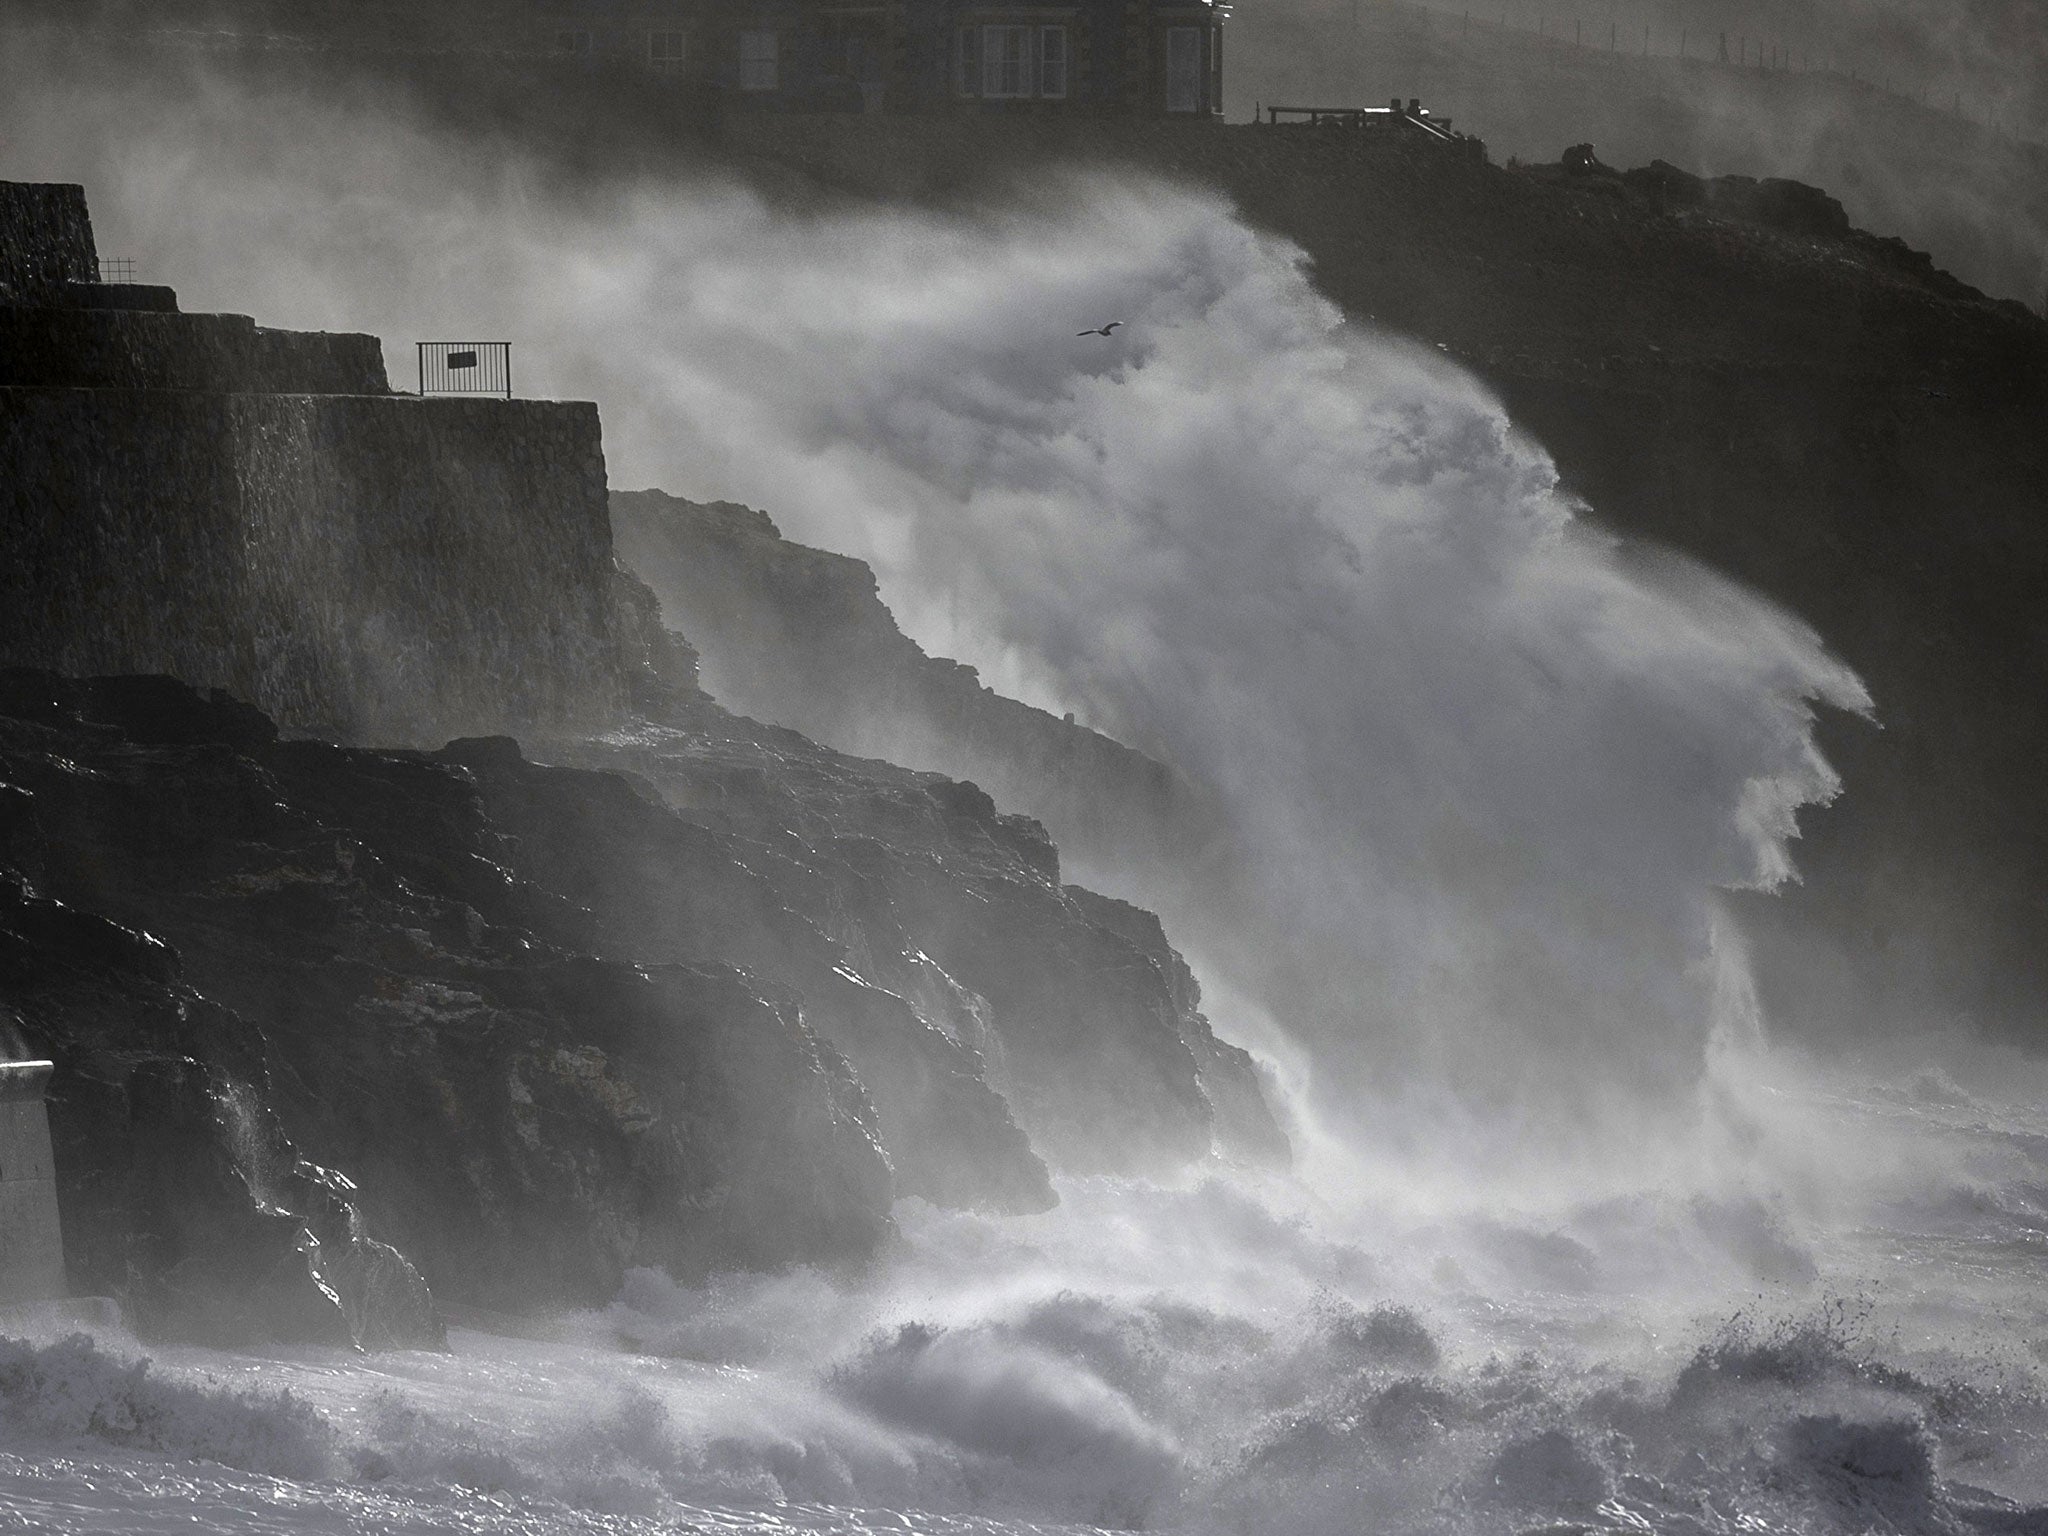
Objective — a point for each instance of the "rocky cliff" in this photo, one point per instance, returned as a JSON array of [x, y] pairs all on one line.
[[802, 637], [244, 953], [713, 995], [347, 1035]]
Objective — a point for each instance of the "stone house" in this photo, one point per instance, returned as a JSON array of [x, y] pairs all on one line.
[[1129, 57]]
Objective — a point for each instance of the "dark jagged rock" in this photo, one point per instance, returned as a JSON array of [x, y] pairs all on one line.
[[254, 960], [1774, 202], [668, 663], [1245, 1126], [662, 887], [668, 1003], [500, 997], [180, 1192], [800, 636], [936, 897]]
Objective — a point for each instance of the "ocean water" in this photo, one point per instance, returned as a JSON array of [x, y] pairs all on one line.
[[1848, 1335]]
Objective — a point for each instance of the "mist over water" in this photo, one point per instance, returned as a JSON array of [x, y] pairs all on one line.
[[1569, 1242]]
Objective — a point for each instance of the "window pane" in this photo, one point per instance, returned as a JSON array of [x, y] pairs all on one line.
[[1183, 69], [1005, 61], [665, 51], [1052, 61], [758, 58]]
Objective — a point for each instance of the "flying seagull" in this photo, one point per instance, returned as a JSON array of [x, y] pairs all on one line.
[[1101, 330]]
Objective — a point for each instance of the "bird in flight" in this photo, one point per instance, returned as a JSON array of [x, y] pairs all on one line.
[[1100, 330]]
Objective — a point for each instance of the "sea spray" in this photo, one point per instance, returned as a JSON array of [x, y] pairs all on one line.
[[1486, 769], [1482, 768]]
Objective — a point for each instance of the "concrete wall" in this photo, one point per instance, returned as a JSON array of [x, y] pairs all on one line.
[[252, 509], [105, 348], [31, 1240], [375, 568], [45, 238]]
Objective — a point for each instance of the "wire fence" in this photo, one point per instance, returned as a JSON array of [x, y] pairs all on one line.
[[466, 368], [117, 269]]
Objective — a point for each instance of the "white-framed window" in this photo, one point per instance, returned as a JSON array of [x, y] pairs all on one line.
[[576, 42], [967, 61], [1183, 69], [1052, 62], [666, 52], [1005, 61], [760, 61]]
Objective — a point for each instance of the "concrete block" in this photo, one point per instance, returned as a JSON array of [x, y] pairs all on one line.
[[31, 1238]]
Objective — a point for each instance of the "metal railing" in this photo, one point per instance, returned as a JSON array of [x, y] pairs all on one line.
[[117, 269], [1414, 116], [466, 368]]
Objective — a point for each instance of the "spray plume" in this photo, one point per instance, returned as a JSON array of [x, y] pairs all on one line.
[[1484, 768]]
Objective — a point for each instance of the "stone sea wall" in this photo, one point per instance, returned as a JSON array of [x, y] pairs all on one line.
[[254, 510], [100, 344], [365, 567], [45, 239]]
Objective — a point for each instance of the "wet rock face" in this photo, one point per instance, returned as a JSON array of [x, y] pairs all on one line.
[[340, 973], [1072, 1007], [336, 1025], [801, 636], [1088, 997], [1234, 1084], [657, 886], [178, 1190]]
